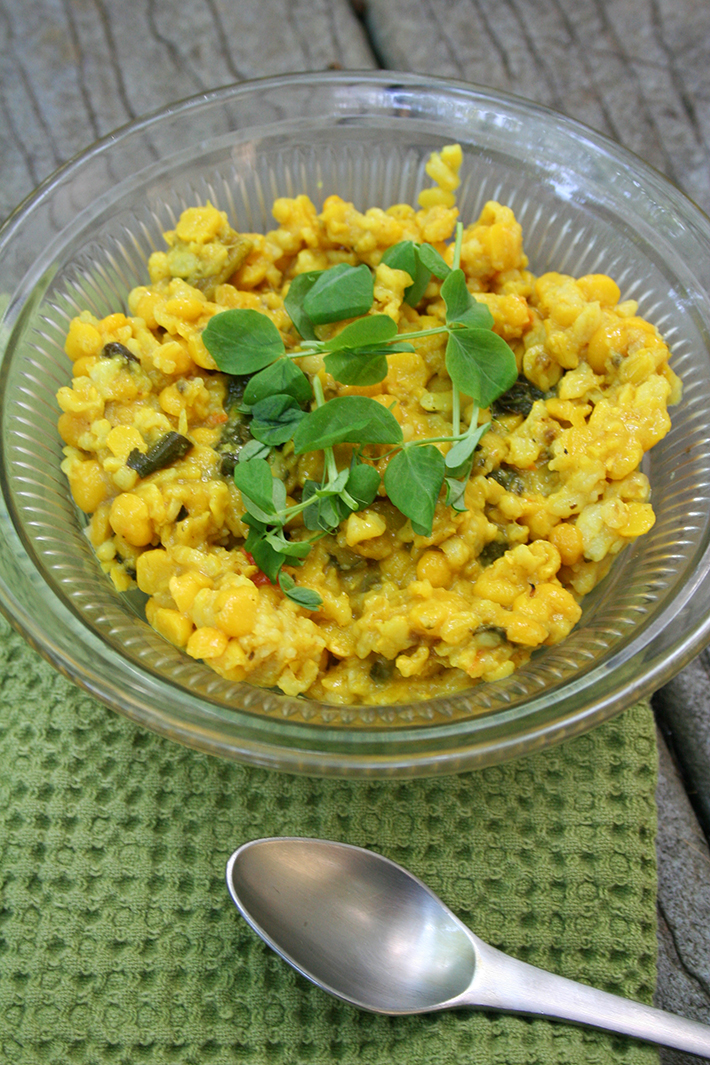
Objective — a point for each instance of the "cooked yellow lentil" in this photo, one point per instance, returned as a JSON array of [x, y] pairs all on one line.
[[555, 492]]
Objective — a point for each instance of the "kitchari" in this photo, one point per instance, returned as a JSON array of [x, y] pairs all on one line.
[[365, 457]]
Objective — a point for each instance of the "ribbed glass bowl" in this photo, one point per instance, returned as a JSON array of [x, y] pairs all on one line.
[[586, 205]]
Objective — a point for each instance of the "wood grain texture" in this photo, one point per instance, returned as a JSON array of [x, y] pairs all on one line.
[[683, 905], [683, 709], [636, 71], [74, 70]]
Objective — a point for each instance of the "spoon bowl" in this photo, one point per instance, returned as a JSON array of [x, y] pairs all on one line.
[[369, 932]]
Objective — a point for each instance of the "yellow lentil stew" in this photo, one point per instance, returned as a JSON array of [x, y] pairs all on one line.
[[552, 492]]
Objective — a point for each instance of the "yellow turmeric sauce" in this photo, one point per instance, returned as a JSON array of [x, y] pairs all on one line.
[[555, 491]]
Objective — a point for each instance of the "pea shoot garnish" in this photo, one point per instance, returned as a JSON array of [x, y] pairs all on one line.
[[285, 404]]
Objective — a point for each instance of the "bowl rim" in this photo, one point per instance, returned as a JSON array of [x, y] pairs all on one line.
[[412, 749]]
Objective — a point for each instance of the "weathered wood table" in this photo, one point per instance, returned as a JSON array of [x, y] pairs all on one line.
[[637, 70]]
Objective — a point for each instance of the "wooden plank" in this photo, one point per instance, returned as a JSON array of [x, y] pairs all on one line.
[[73, 71], [683, 905], [683, 708], [636, 71]]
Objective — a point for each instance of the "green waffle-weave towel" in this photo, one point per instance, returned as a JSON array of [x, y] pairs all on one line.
[[119, 944]]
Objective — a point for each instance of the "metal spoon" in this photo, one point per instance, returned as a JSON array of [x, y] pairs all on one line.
[[372, 934]]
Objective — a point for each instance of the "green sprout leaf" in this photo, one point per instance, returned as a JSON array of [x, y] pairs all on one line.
[[274, 419], [405, 256], [460, 304], [296, 550], [259, 492], [433, 261], [253, 449], [413, 480], [480, 363], [341, 292], [280, 378], [346, 420], [354, 368], [363, 483], [242, 341], [464, 448], [371, 331], [455, 492], [268, 560], [304, 597], [297, 292]]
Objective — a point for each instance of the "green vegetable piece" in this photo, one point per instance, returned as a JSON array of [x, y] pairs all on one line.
[[257, 485], [296, 550], [114, 348], [274, 419], [346, 420], [254, 449], [519, 399], [326, 513], [242, 341], [304, 597], [413, 480], [371, 331], [343, 291], [281, 378], [460, 304], [433, 261], [268, 560], [363, 483], [169, 448], [464, 448], [455, 492], [406, 256], [353, 368], [480, 363], [297, 292]]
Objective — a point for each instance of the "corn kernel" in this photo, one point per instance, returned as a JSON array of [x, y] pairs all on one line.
[[641, 518], [568, 541], [363, 526], [153, 571], [88, 484], [72, 427], [605, 341], [174, 626], [82, 339], [526, 631], [130, 518], [185, 586], [238, 614], [123, 439], [433, 567], [186, 307], [601, 288], [199, 224], [207, 643]]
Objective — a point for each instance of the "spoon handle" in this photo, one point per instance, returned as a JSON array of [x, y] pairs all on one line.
[[504, 983]]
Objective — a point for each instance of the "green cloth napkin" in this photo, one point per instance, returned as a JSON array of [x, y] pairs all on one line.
[[119, 944]]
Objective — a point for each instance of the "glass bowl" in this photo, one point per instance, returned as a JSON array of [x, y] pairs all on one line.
[[586, 205]]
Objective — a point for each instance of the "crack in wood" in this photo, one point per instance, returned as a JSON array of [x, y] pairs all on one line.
[[81, 80], [702, 984]]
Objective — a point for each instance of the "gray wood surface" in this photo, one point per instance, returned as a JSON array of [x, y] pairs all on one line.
[[637, 70]]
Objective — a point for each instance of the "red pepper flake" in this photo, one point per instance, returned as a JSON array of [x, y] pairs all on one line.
[[259, 578], [217, 417]]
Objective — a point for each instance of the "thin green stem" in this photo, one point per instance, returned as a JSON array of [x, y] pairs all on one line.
[[457, 246], [330, 462], [474, 422], [456, 413]]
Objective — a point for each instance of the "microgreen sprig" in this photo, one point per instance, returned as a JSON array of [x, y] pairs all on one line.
[[246, 342]]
